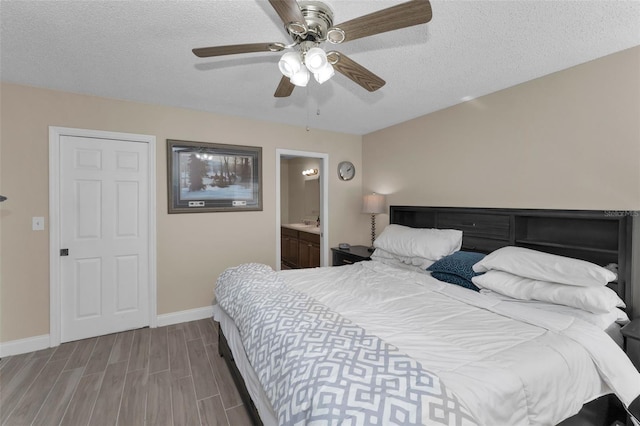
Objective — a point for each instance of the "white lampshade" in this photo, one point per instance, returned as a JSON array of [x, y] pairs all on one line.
[[315, 59], [290, 63], [301, 77], [324, 74], [373, 204]]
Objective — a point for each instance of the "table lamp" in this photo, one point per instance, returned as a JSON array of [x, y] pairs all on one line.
[[373, 204]]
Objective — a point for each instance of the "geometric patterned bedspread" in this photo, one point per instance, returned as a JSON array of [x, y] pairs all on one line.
[[319, 368]]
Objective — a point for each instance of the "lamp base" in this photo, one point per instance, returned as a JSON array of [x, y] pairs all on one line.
[[373, 228]]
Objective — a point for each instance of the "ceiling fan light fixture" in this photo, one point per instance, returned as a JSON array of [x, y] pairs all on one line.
[[324, 74], [315, 59], [335, 35], [296, 28], [290, 64], [300, 78]]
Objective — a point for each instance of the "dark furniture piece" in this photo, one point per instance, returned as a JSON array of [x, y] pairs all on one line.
[[597, 236], [631, 333], [299, 249], [601, 237], [289, 247], [350, 255]]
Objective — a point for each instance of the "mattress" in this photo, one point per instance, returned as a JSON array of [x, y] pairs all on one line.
[[489, 353]]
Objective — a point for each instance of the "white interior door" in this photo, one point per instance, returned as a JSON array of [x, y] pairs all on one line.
[[104, 209]]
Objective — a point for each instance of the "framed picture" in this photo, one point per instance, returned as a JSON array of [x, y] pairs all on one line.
[[209, 177]]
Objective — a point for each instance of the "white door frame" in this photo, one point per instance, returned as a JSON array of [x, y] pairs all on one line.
[[324, 201], [55, 134]]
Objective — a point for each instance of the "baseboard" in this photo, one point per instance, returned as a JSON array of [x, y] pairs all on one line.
[[21, 346], [185, 316], [30, 344]]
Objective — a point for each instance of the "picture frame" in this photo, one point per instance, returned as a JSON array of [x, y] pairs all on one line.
[[211, 177]]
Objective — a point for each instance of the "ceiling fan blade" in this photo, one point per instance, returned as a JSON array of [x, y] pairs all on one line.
[[289, 12], [233, 49], [285, 88], [403, 15], [355, 71]]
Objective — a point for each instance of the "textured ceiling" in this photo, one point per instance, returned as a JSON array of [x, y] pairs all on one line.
[[141, 51]]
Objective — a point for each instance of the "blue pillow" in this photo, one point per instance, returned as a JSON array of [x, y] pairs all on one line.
[[457, 268], [454, 279]]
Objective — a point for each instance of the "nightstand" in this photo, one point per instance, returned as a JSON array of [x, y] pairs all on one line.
[[350, 255], [631, 333]]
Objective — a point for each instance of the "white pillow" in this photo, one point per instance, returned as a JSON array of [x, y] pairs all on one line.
[[600, 320], [545, 267], [592, 299], [432, 244], [397, 260]]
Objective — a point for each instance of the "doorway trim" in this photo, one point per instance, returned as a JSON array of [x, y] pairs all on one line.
[[324, 201], [55, 134]]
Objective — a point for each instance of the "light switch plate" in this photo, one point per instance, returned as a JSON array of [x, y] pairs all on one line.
[[37, 223]]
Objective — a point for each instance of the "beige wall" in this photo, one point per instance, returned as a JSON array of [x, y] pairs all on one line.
[[193, 249], [570, 140]]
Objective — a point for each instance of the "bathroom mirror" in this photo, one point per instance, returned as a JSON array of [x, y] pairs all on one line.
[[312, 197]]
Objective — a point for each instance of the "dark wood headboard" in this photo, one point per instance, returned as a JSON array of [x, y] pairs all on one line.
[[600, 237]]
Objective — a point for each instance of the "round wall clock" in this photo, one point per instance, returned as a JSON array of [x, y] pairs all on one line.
[[346, 170]]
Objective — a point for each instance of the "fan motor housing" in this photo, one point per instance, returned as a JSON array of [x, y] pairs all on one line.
[[318, 17]]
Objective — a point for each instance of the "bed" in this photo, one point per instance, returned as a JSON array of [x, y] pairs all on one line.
[[491, 359]]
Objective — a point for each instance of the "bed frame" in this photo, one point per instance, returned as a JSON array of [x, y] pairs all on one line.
[[601, 237]]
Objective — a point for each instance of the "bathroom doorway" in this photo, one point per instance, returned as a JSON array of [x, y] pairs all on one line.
[[301, 209]]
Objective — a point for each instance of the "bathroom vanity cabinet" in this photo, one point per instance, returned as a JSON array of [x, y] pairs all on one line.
[[299, 248]]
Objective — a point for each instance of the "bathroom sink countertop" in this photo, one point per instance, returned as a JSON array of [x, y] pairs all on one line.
[[313, 229]]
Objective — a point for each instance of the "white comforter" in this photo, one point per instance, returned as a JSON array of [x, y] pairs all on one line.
[[509, 366]]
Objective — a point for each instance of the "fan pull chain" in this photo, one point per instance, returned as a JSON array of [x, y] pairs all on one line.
[[308, 101]]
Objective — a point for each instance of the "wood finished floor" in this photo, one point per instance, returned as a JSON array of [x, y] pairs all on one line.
[[164, 376]]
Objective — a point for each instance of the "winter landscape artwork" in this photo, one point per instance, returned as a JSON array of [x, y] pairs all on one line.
[[210, 177]]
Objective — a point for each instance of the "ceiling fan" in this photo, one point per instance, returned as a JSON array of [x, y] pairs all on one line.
[[310, 23]]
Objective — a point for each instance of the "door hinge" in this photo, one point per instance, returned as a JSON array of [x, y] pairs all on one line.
[[64, 252]]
